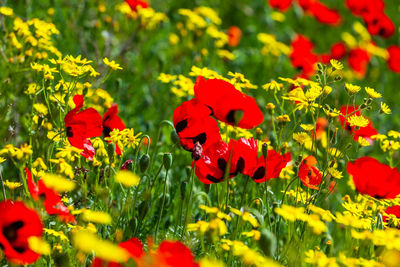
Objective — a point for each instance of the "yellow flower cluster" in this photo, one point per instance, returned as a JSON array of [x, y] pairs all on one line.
[[313, 220], [249, 256], [125, 138], [31, 38], [21, 153], [388, 143], [272, 46]]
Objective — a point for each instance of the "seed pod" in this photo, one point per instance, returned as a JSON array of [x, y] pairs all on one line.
[[144, 162], [167, 160]]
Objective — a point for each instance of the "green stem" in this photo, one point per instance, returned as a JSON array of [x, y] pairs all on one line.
[[162, 206]]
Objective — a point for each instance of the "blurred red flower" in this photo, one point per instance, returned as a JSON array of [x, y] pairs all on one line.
[[17, 224], [309, 174], [193, 124], [394, 58], [282, 5], [234, 34], [302, 57], [227, 103], [338, 50], [134, 4], [358, 60], [374, 178], [82, 125], [52, 200], [133, 246]]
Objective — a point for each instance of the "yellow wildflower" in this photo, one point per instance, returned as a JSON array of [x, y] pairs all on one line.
[[352, 89], [336, 64], [270, 106], [307, 127], [38, 245], [362, 141], [12, 185], [273, 86], [394, 134], [90, 243], [111, 64], [127, 178], [385, 108], [96, 217], [372, 93], [358, 121], [6, 11], [283, 118], [58, 183]]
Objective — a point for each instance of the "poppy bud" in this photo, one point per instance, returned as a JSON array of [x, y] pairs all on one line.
[[267, 242], [167, 160], [197, 151], [188, 170], [126, 164], [174, 137], [144, 162], [264, 150]]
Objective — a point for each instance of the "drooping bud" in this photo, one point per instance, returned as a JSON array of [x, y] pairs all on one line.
[[167, 160], [264, 150], [144, 162]]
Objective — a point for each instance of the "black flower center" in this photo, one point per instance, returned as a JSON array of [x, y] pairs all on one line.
[[69, 131], [180, 126], [10, 231], [259, 173]]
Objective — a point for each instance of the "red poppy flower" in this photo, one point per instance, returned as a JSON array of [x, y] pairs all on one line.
[[325, 58], [112, 121], [309, 174], [338, 50], [17, 224], [174, 254], [243, 154], [358, 60], [134, 4], [234, 34], [302, 56], [321, 125], [133, 246], [379, 24], [282, 5], [211, 166], [82, 125], [226, 103], [365, 132], [374, 178], [394, 58], [193, 124], [275, 163], [52, 200], [324, 14]]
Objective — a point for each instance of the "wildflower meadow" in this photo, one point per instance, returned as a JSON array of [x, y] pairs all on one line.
[[157, 133]]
